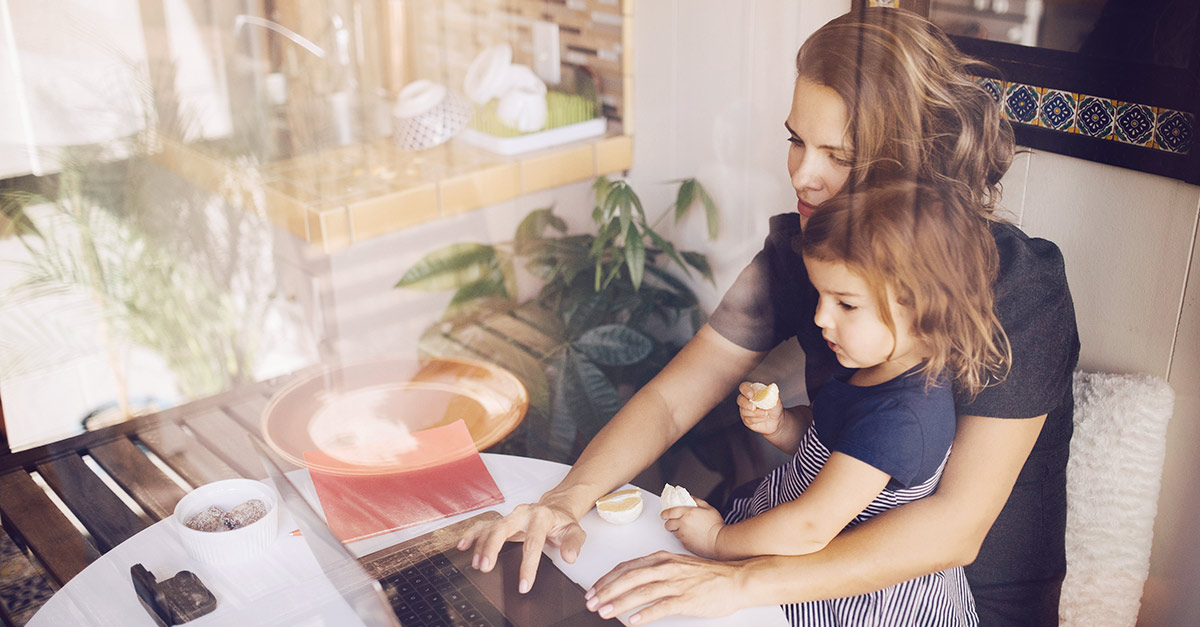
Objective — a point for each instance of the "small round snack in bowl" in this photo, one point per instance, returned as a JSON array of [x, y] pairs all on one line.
[[620, 507], [227, 521]]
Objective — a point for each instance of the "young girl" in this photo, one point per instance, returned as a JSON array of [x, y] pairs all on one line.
[[904, 280]]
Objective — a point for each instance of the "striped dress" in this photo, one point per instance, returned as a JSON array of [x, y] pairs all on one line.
[[942, 598]]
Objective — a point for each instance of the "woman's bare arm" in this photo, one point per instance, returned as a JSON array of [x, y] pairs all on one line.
[[699, 377], [943, 530]]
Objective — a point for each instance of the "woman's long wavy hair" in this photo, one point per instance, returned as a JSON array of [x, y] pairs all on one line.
[[914, 110], [936, 258]]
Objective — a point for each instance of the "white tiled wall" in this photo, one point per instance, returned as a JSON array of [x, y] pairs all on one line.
[[713, 84]]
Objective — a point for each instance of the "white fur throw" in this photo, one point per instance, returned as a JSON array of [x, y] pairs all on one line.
[[1113, 480]]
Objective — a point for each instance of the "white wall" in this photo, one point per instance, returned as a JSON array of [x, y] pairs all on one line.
[[712, 87]]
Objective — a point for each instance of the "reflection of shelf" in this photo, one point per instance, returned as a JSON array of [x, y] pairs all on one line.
[[533, 141], [335, 198]]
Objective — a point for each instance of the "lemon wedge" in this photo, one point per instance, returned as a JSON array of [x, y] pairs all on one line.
[[620, 507], [764, 396], [675, 496]]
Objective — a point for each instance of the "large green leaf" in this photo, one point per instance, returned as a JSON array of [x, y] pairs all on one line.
[[600, 189], [637, 203], [685, 198], [584, 399], [507, 271], [585, 310], [626, 207], [613, 270], [668, 248], [613, 345], [604, 236], [673, 283], [450, 267], [700, 263], [712, 216], [489, 286], [533, 227], [635, 255]]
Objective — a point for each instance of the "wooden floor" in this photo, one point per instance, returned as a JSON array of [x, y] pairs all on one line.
[[113, 484]]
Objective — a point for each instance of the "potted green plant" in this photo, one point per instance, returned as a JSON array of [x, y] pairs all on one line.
[[611, 310]]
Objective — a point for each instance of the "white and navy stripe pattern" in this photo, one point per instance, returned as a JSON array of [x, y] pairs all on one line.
[[942, 598]]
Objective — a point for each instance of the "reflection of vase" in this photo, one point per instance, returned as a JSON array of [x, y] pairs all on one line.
[[327, 59]]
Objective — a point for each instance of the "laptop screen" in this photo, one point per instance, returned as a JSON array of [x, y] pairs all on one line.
[[360, 590]]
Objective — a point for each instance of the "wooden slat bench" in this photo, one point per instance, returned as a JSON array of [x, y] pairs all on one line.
[[114, 482]]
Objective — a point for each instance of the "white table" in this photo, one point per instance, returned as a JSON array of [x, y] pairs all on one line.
[[285, 586]]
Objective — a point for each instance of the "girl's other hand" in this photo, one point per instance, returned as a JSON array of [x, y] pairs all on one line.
[[764, 421], [696, 527]]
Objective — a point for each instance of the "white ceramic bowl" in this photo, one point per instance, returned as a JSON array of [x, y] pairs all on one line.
[[234, 545]]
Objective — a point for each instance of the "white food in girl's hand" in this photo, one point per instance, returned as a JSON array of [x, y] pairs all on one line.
[[675, 496], [620, 507], [764, 396]]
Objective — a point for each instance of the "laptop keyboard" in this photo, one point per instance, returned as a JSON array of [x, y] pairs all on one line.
[[432, 592]]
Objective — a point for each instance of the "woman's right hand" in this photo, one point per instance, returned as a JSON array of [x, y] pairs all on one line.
[[535, 525], [764, 421]]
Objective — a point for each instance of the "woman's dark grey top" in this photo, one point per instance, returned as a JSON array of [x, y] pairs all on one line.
[[773, 301]]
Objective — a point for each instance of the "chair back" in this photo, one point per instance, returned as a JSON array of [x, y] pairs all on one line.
[[1113, 480]]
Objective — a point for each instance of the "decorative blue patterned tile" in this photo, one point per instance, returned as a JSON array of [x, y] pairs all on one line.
[[994, 87], [1057, 110], [1021, 103], [1134, 123], [1095, 117], [1174, 130]]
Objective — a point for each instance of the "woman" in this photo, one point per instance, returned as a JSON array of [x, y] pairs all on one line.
[[880, 94]]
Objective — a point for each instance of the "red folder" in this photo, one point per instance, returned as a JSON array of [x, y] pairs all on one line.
[[441, 476]]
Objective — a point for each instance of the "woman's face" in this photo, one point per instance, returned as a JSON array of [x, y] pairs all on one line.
[[821, 153]]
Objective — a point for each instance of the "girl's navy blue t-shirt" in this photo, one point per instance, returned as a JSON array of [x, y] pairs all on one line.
[[897, 426]]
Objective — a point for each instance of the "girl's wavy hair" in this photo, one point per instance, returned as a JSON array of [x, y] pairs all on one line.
[[937, 259], [915, 112]]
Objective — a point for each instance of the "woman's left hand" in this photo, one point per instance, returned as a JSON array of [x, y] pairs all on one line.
[[668, 584], [696, 527]]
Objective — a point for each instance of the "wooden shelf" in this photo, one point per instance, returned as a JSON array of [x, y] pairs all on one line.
[[335, 198]]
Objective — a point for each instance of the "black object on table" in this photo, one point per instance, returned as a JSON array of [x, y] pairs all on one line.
[[172, 601]]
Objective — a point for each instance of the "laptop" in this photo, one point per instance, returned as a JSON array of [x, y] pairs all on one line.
[[427, 582]]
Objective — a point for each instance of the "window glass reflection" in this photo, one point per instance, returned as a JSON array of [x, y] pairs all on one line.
[[1157, 32]]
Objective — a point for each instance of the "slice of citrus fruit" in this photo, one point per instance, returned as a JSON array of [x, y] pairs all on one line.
[[620, 507], [675, 496], [764, 396]]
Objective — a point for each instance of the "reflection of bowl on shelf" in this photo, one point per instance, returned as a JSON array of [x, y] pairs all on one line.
[[426, 114], [363, 413]]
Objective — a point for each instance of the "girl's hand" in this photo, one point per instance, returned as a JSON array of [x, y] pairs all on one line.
[[696, 527], [765, 421]]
